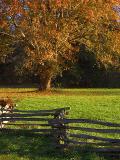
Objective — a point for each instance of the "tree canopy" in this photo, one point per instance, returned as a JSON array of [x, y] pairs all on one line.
[[51, 32]]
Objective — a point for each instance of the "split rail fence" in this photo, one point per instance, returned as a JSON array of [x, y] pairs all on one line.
[[64, 130]]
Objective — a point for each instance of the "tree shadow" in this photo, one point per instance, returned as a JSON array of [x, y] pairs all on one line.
[[35, 146], [31, 91], [32, 146], [87, 92], [87, 153], [15, 86]]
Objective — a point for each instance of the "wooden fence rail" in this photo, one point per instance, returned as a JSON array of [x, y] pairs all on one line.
[[53, 122]]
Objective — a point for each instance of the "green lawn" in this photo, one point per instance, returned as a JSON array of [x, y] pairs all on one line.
[[98, 104]]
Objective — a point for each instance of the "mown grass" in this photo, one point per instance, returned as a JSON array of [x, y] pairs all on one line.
[[98, 104]]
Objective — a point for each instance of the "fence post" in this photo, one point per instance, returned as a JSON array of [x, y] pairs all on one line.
[[59, 131]]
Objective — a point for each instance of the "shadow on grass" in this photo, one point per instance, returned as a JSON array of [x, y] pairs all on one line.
[[34, 88], [16, 86], [32, 146], [36, 147], [26, 91], [87, 92], [14, 92]]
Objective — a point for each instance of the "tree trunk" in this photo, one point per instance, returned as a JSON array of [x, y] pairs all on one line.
[[45, 83]]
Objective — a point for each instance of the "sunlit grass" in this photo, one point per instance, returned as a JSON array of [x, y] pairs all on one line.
[[97, 104]]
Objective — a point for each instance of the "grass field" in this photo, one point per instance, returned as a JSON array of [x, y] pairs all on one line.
[[98, 104]]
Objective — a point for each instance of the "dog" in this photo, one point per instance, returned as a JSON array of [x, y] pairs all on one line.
[[6, 106]]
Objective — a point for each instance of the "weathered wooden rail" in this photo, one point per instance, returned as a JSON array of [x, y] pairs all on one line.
[[53, 122], [29, 119]]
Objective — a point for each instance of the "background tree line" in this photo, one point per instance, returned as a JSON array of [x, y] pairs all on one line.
[[67, 42]]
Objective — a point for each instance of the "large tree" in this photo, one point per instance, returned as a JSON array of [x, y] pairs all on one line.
[[43, 28], [51, 31]]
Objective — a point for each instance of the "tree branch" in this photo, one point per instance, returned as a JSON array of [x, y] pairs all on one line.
[[7, 34]]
